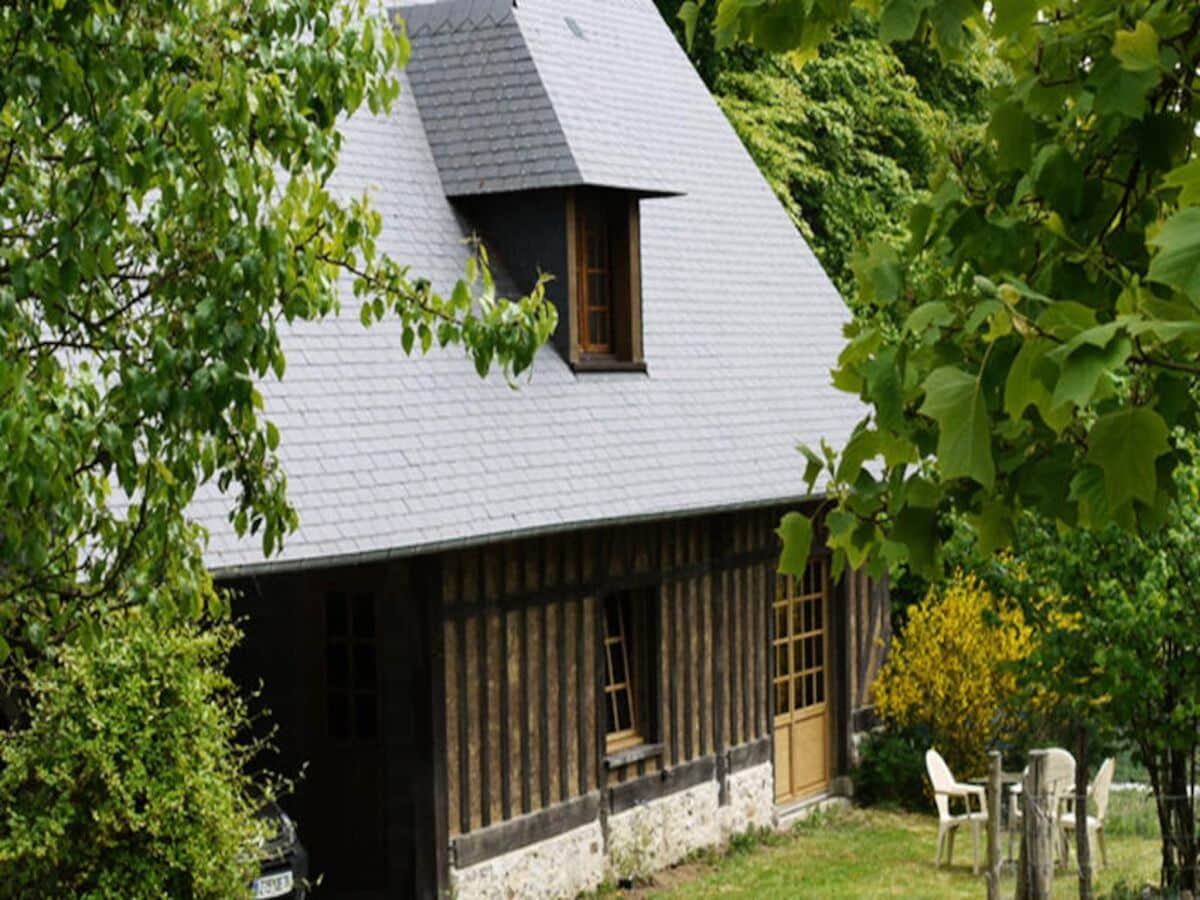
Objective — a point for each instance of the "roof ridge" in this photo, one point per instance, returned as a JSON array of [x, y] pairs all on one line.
[[453, 15]]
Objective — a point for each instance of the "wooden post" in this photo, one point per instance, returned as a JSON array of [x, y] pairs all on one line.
[[1083, 839], [993, 827], [1039, 828]]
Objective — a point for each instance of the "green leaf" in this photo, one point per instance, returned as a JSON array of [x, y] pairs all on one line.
[[993, 526], [812, 468], [935, 312], [1083, 369], [688, 13], [1137, 49], [1125, 444], [880, 275], [796, 531], [955, 401], [1023, 387], [916, 528], [1177, 262], [1013, 15], [1187, 179], [899, 19]]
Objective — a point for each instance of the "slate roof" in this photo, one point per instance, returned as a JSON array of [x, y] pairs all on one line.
[[501, 101], [387, 454]]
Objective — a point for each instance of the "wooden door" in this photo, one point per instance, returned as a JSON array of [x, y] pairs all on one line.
[[801, 684], [348, 777]]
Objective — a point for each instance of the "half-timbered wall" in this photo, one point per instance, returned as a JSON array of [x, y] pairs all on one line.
[[524, 729], [870, 631]]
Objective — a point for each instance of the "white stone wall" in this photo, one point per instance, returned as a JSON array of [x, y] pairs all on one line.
[[663, 831], [751, 801], [560, 867], [640, 841]]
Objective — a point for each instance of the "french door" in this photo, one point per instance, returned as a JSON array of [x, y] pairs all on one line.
[[801, 683]]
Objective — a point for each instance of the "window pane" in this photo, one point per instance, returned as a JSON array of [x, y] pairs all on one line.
[[610, 721], [364, 666], [335, 614], [364, 616], [781, 660], [781, 621], [817, 604], [365, 717], [337, 664], [624, 714], [819, 653], [781, 697], [612, 619], [617, 653], [339, 716], [820, 687]]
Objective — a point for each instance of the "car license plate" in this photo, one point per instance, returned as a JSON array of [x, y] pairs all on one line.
[[275, 885]]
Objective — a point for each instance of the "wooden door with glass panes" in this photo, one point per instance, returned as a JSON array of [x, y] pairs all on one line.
[[801, 683]]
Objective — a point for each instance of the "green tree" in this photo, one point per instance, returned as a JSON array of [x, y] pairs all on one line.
[[165, 210], [1117, 647], [848, 140], [1035, 345]]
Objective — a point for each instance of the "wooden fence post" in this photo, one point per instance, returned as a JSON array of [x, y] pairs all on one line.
[[993, 826], [1039, 827], [1083, 838]]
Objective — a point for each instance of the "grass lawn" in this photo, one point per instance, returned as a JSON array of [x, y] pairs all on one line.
[[858, 853]]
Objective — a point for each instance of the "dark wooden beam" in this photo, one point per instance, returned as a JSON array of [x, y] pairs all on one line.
[[754, 753], [522, 831], [505, 719], [629, 794], [481, 630]]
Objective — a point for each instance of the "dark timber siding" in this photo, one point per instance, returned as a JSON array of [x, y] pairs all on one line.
[[870, 631], [522, 669]]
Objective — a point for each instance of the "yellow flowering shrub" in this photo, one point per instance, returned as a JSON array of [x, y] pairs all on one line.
[[951, 672]]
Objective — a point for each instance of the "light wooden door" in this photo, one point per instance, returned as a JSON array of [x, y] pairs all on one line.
[[801, 684]]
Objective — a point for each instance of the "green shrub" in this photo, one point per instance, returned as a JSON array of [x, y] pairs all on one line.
[[125, 777], [891, 771]]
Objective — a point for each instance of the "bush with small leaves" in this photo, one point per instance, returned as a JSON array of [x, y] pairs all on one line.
[[124, 777]]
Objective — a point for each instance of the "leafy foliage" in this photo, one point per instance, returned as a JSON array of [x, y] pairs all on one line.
[[165, 212], [1053, 267], [891, 770], [1121, 654], [128, 779], [952, 673], [847, 140]]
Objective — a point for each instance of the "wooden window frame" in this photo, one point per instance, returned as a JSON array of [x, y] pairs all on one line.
[[619, 212], [350, 691], [637, 640]]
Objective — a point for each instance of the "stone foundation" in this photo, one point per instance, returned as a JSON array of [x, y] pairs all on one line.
[[642, 840], [560, 867], [663, 831], [751, 801]]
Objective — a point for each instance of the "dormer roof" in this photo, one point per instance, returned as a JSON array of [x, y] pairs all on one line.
[[525, 96]]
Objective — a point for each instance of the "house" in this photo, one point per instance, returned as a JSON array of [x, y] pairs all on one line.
[[525, 639]]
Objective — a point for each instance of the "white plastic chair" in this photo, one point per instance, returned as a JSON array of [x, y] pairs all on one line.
[[945, 788], [1099, 790]]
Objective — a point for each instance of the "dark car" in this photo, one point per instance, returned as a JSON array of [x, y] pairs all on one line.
[[283, 862]]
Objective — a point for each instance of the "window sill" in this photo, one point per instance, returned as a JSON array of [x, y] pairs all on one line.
[[607, 364], [632, 755]]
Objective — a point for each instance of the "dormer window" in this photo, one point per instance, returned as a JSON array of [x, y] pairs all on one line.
[[605, 279], [589, 240]]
